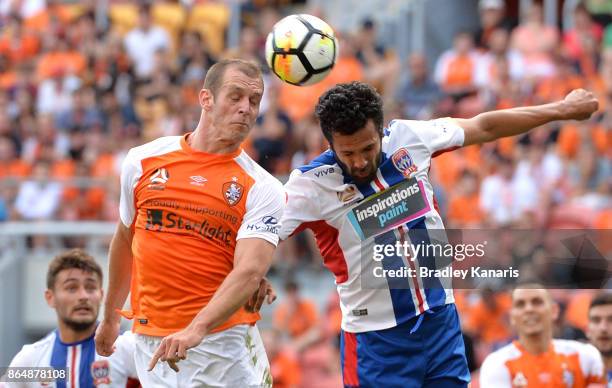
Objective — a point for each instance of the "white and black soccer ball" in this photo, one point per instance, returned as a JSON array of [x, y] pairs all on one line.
[[301, 49]]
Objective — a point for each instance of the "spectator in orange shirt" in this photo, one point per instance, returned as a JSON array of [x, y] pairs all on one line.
[[284, 366], [297, 318], [464, 209], [456, 69], [488, 319]]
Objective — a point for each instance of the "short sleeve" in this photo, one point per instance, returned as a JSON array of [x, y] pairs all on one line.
[[264, 209], [301, 206], [440, 135], [21, 359], [493, 373], [592, 364], [131, 171]]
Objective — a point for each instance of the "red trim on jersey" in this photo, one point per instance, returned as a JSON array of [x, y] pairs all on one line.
[[73, 367], [349, 372], [415, 282], [435, 201], [439, 152], [327, 241], [379, 184]]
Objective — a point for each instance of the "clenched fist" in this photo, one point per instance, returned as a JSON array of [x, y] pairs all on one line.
[[580, 104]]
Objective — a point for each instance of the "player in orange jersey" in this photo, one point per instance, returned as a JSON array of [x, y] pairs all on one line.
[[199, 225], [536, 359]]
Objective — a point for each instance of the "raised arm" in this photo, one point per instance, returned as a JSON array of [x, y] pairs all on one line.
[[119, 277], [579, 104]]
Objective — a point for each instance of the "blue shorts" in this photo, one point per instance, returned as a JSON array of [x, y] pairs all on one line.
[[426, 351]]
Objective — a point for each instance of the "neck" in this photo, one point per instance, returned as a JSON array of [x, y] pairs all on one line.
[[608, 362], [535, 344], [69, 335], [209, 139]]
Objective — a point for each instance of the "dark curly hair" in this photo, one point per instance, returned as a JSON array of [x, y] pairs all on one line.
[[346, 108]]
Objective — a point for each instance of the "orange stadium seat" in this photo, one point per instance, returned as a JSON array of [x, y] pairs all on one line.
[[210, 20]]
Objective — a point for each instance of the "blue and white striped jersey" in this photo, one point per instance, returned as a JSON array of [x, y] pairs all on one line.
[[349, 220], [85, 367]]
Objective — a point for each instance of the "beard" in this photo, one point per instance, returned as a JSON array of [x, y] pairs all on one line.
[[79, 326], [360, 180]]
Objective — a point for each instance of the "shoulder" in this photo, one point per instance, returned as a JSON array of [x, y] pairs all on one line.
[[263, 182], [584, 350], [499, 357], [156, 147], [31, 353], [323, 166]]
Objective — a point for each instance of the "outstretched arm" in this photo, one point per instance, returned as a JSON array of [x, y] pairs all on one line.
[[577, 105]]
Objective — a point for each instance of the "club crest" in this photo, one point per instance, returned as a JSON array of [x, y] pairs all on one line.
[[403, 162], [232, 192], [100, 371]]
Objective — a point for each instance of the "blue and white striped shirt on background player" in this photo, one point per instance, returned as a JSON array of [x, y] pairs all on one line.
[[85, 367], [320, 197]]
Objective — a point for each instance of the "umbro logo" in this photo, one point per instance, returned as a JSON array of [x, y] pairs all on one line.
[[198, 180]]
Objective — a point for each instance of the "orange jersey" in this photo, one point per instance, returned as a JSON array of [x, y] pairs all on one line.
[[187, 209], [566, 364]]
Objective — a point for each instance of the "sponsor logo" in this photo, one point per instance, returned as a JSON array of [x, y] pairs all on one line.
[[397, 205], [100, 371], [159, 179], [360, 312], [348, 194], [403, 162], [232, 192], [160, 220], [198, 180], [324, 172], [266, 224]]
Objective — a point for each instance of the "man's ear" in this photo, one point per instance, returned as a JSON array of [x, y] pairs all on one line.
[[50, 298], [207, 99]]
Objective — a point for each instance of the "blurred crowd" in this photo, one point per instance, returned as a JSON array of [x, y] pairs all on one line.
[[81, 84]]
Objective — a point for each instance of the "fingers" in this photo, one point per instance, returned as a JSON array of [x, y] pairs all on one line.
[[173, 365], [271, 295], [261, 295], [104, 347], [158, 354], [171, 351]]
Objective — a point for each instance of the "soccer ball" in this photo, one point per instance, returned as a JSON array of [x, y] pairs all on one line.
[[301, 49]]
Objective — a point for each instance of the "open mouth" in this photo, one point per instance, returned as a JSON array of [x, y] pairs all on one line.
[[82, 309]]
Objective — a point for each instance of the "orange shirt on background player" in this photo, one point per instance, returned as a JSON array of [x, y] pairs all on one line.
[[565, 364], [296, 320], [188, 209]]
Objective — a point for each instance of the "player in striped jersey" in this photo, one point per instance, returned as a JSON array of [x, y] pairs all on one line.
[[599, 329], [372, 190], [536, 359], [74, 290]]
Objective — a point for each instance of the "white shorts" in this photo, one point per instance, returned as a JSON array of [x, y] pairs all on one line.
[[231, 358]]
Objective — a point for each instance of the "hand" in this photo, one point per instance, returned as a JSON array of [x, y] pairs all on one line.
[[256, 300], [173, 348], [106, 334], [580, 104]]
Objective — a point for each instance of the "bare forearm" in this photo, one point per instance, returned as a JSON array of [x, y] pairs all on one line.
[[233, 293], [120, 273], [516, 121]]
